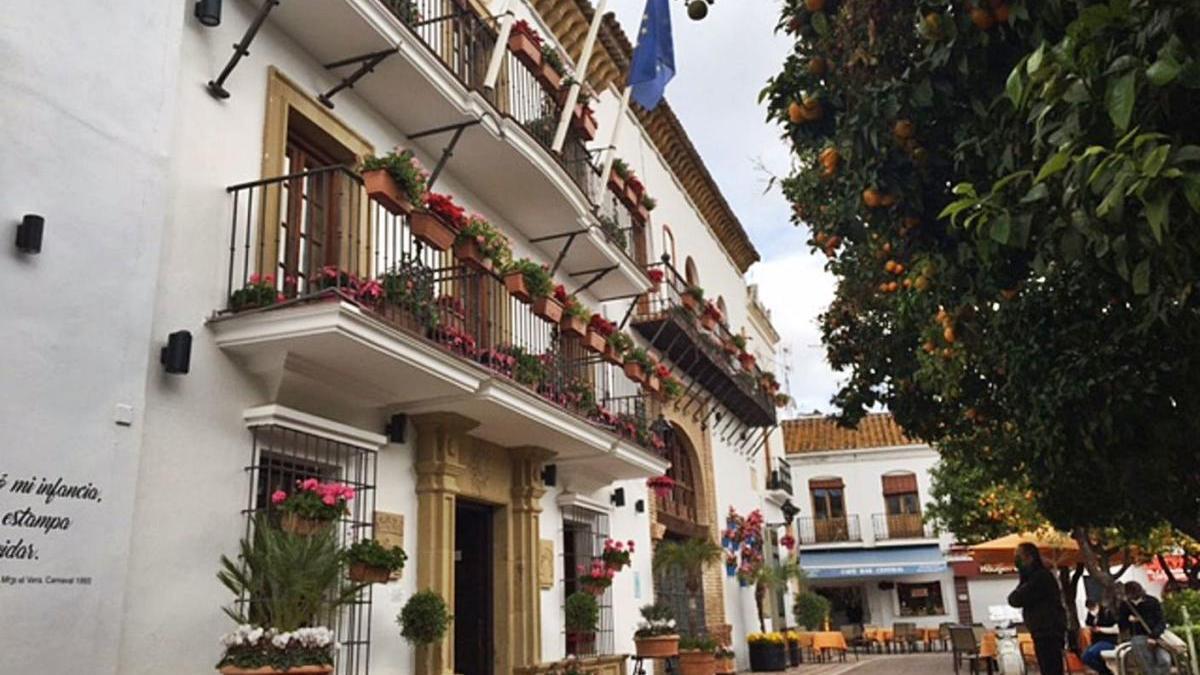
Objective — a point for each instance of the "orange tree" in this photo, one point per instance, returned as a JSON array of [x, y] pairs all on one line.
[[1008, 194]]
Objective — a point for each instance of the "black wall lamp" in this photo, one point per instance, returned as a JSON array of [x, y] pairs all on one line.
[[29, 233], [208, 12], [176, 357], [396, 427], [640, 506], [550, 475], [698, 9], [618, 497]]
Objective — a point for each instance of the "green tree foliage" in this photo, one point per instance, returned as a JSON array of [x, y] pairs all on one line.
[[811, 609], [1008, 192]]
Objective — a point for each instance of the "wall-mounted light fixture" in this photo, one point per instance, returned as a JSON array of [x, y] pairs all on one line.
[[176, 357], [640, 506], [208, 12], [698, 9], [29, 233], [550, 475], [396, 427], [618, 497], [789, 511]]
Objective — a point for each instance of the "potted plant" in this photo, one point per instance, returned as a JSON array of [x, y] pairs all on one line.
[[575, 317], [768, 652], [397, 181], [688, 559], [711, 316], [656, 637], [424, 618], [277, 632], [692, 297], [370, 562], [259, 291], [595, 578], [697, 655], [671, 388], [655, 274], [553, 69], [616, 177], [312, 507], [437, 224], [726, 665], [747, 360], [525, 44], [482, 246], [637, 363], [662, 486], [526, 279], [599, 330], [617, 555], [612, 231], [782, 400], [634, 190], [617, 344], [583, 118], [549, 308], [581, 615], [810, 610], [793, 648], [643, 208]]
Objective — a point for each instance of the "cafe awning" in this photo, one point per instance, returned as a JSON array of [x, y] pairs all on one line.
[[879, 562]]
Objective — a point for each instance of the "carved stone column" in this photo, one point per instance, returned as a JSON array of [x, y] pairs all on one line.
[[525, 636], [441, 438]]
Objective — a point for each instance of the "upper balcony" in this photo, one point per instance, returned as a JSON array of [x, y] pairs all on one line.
[[333, 299], [687, 331], [424, 65], [828, 531], [894, 527], [780, 478]]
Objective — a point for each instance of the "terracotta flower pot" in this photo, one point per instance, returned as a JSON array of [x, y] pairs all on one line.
[[634, 371], [525, 49], [747, 361], [295, 524], [612, 356], [364, 573], [515, 283], [708, 321], [548, 309], [616, 184], [595, 342], [689, 302], [697, 663], [267, 670], [726, 666], [549, 77], [384, 189], [654, 384], [641, 213], [431, 230], [658, 647], [583, 121], [633, 195], [468, 253], [729, 348], [573, 325]]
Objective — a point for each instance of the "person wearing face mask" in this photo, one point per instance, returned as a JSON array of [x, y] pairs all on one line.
[[1040, 601], [1105, 636]]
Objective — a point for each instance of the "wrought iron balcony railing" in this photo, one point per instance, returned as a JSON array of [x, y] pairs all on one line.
[[316, 235], [842, 529], [781, 476], [890, 526]]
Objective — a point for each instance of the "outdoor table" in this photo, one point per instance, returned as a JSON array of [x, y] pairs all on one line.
[[930, 636], [880, 636], [828, 641], [988, 646]]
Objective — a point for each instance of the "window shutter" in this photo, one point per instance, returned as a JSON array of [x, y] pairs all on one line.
[[825, 484], [896, 485]]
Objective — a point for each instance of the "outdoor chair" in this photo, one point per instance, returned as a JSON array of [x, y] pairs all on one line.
[[906, 636], [967, 647], [855, 639], [944, 635]]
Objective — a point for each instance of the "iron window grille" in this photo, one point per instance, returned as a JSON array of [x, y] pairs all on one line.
[[280, 457], [583, 533]]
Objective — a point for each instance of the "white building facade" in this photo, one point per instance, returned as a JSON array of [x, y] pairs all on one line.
[[173, 173]]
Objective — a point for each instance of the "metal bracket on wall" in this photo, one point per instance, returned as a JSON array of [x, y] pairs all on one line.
[[217, 87], [598, 274], [569, 236], [448, 151], [366, 64]]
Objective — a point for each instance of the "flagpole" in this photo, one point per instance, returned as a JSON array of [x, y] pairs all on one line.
[[560, 136], [611, 153]]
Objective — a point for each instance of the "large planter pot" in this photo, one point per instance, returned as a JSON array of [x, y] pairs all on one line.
[[431, 230], [747, 361], [269, 670], [726, 666], [768, 657], [697, 663], [595, 342], [548, 309], [583, 121], [549, 77], [384, 189], [295, 524], [660, 647], [366, 574], [794, 656], [634, 371], [468, 253], [525, 49], [515, 283], [689, 302], [581, 643], [573, 325]]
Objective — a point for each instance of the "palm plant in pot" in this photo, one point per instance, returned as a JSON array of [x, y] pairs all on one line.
[[397, 180], [372, 562], [286, 584], [656, 636], [697, 655], [581, 616]]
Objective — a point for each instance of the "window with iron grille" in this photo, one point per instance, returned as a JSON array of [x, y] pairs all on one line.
[[280, 457], [583, 533], [670, 589]]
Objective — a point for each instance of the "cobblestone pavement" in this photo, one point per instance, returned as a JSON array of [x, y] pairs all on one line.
[[906, 664]]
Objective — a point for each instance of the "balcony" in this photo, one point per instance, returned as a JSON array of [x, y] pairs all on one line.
[[429, 79], [703, 350], [332, 299], [820, 531], [892, 527], [780, 478]]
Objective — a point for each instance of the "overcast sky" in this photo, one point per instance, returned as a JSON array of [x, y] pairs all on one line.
[[721, 65]]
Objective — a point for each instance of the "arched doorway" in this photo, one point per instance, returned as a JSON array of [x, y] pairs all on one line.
[[678, 514]]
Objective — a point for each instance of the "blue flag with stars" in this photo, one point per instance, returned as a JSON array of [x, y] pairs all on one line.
[[654, 57]]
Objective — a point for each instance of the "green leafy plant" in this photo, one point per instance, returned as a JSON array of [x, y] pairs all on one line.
[[537, 277], [697, 643], [687, 558], [581, 613], [695, 292], [811, 609], [405, 10], [424, 618], [551, 57], [639, 356], [405, 169], [620, 342], [259, 291], [612, 229], [649, 202], [407, 287], [491, 242], [657, 620], [573, 307], [1173, 606], [620, 167], [371, 553], [738, 341]]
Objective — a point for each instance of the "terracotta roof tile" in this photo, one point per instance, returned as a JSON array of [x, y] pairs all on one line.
[[820, 433]]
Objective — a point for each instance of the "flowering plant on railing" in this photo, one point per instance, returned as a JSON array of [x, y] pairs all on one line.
[[639, 356], [782, 400], [595, 578], [649, 203], [538, 282], [456, 340], [314, 500], [739, 341], [526, 29], [617, 555], [574, 308], [712, 311], [635, 183], [258, 292], [661, 486], [553, 58], [492, 243], [671, 388], [620, 342], [655, 274], [499, 359], [250, 646], [605, 417], [612, 229], [695, 293], [444, 207], [412, 291], [452, 304], [602, 326], [404, 168], [516, 362], [560, 293]]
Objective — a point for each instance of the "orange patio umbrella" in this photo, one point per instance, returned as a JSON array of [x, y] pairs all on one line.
[[1057, 550]]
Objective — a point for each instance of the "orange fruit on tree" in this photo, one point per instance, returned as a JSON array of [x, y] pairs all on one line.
[[982, 18], [871, 198], [830, 159], [903, 130], [893, 286], [907, 282], [933, 24], [817, 67], [814, 5], [812, 109], [888, 199], [948, 335], [930, 348], [889, 266], [898, 268], [883, 287], [835, 241], [922, 283], [796, 113]]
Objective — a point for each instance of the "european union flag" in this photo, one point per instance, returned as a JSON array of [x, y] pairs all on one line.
[[654, 57]]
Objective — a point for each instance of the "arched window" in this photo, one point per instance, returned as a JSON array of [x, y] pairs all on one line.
[[689, 272], [668, 243]]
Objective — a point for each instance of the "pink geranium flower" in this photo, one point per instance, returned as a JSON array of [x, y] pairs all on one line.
[[278, 497]]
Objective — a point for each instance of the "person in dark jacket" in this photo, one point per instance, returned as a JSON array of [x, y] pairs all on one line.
[[1040, 601], [1142, 617], [1105, 635]]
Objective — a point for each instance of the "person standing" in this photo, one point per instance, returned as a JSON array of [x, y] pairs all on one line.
[[1142, 617], [1105, 634], [1040, 601]]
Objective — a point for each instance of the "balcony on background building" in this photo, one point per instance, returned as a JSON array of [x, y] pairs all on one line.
[[703, 349], [891, 527], [430, 82], [780, 477], [332, 298], [835, 530]]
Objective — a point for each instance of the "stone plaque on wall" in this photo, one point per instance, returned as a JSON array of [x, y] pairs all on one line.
[[389, 529], [546, 563]]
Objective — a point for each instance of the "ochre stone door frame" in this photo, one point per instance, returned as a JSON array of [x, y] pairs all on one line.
[[451, 464]]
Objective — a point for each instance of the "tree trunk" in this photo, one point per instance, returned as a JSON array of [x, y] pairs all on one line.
[[1097, 568], [760, 594], [1069, 583]]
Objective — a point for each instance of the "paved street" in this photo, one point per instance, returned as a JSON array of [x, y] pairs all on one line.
[[908, 664]]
